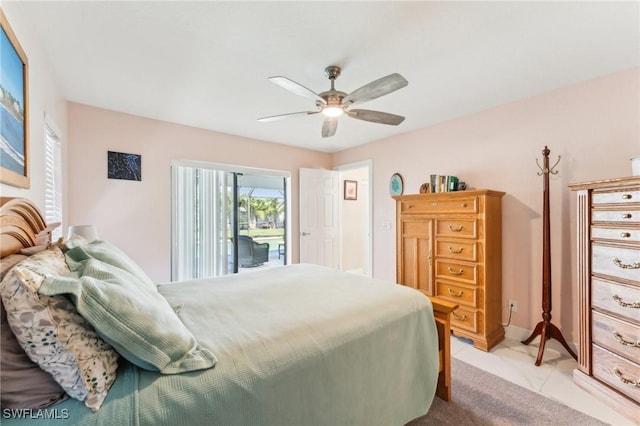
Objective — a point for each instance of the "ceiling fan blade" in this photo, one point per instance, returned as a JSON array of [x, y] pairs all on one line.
[[376, 116], [375, 89], [296, 88], [281, 116], [329, 127]]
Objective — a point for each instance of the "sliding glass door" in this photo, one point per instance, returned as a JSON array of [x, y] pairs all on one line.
[[225, 220]]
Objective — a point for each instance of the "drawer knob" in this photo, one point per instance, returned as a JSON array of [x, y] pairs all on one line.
[[624, 380], [464, 205], [452, 293], [624, 304], [627, 196], [451, 271], [625, 342], [627, 215], [619, 264], [625, 235], [458, 229], [459, 318], [455, 251]]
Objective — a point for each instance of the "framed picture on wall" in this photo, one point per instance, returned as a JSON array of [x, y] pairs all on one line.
[[124, 166], [14, 164], [350, 190]]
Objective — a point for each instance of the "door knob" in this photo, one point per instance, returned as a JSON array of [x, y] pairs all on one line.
[[304, 234]]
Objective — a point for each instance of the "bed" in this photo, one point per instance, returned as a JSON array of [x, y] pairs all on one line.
[[297, 344]]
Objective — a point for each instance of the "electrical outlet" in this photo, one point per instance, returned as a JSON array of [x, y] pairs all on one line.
[[513, 305]]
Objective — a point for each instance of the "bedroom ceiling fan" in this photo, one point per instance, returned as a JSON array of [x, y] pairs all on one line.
[[334, 103]]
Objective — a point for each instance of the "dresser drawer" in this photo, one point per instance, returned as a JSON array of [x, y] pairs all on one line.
[[455, 249], [616, 234], [617, 372], [616, 216], [466, 319], [616, 262], [630, 196], [458, 294], [620, 300], [457, 271], [619, 337], [459, 228], [456, 205]]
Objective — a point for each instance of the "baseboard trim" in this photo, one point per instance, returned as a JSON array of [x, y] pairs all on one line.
[[518, 333]]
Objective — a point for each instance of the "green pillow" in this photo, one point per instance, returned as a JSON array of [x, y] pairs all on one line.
[[108, 253], [137, 321]]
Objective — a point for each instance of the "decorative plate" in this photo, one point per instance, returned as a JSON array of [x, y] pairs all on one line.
[[396, 187]]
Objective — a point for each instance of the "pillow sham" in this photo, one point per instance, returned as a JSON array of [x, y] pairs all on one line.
[[8, 262], [136, 320], [108, 253], [53, 334], [22, 383]]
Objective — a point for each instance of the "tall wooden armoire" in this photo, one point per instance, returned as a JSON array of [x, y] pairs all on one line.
[[449, 245]]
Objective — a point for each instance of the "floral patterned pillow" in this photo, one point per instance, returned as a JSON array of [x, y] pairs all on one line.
[[53, 334]]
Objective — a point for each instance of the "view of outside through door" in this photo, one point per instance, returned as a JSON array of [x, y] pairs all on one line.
[[225, 221], [261, 221]]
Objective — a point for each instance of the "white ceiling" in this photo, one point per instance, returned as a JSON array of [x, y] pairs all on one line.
[[206, 63]]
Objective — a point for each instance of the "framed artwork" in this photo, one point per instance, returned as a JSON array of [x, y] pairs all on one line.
[[124, 166], [14, 107], [350, 190]]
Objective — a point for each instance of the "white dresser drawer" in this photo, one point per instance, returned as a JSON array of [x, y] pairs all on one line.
[[616, 262], [616, 234], [616, 216], [619, 337], [630, 196], [621, 300], [617, 372]]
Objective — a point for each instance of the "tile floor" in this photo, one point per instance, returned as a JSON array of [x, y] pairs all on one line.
[[515, 362]]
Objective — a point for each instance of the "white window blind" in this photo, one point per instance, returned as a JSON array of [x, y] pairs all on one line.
[[53, 179], [199, 223]]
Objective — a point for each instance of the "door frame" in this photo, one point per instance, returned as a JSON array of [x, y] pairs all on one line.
[[369, 243]]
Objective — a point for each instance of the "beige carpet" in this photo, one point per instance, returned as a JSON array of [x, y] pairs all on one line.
[[480, 398]]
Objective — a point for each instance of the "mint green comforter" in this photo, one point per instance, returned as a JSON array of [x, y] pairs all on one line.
[[296, 345]]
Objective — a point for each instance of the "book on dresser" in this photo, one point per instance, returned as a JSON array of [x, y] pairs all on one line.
[[449, 245], [608, 282]]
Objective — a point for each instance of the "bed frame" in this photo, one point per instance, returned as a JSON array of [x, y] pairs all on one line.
[[22, 226]]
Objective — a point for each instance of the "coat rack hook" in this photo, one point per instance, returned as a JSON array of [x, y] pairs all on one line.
[[551, 169]]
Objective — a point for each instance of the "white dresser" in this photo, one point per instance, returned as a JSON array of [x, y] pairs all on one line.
[[608, 256]]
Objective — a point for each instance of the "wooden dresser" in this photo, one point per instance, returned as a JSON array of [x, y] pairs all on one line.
[[608, 272], [449, 245]]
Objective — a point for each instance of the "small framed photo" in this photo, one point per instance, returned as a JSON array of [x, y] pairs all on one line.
[[350, 190]]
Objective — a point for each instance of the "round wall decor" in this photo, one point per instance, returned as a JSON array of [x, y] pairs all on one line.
[[396, 186]]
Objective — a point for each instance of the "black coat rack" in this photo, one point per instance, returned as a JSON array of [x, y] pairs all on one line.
[[545, 329]]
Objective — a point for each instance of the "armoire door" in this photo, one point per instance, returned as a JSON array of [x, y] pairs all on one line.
[[416, 262]]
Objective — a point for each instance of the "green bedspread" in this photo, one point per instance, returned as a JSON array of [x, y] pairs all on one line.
[[296, 345]]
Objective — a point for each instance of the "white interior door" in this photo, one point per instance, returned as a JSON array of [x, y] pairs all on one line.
[[319, 217]]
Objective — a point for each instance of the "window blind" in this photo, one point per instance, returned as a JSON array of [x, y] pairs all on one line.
[[199, 223], [53, 179]]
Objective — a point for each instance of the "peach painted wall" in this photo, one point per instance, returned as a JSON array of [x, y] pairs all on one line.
[[44, 99], [135, 216], [594, 126]]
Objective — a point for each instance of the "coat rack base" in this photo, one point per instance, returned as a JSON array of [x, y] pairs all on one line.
[[546, 330]]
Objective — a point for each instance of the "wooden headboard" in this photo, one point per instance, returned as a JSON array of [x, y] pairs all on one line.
[[21, 225]]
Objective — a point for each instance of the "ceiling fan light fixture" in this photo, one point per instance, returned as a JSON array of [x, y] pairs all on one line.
[[332, 111]]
